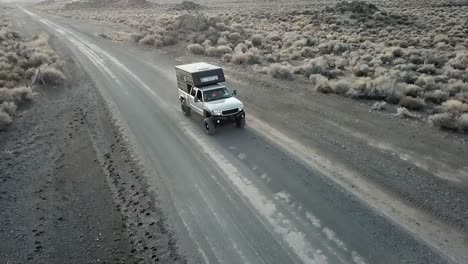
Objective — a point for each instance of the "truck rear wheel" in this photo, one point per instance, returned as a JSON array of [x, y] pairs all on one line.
[[209, 126], [240, 122], [185, 109]]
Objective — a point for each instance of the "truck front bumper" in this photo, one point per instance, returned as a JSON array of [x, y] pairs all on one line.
[[229, 118]]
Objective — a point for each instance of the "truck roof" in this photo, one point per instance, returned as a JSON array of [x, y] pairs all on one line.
[[197, 67]]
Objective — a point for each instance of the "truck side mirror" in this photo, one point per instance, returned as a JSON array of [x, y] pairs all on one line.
[[196, 100], [234, 92]]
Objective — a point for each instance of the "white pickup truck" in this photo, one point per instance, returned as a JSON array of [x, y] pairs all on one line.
[[200, 90]]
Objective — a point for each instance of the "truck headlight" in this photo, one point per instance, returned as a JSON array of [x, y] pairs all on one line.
[[216, 112], [241, 108]]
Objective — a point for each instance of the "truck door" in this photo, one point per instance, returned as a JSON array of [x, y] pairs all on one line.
[[196, 106]]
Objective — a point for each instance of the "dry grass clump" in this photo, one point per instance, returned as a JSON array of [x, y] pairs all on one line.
[[454, 106], [403, 112], [412, 103], [245, 58], [16, 94], [378, 106], [450, 121], [453, 116], [280, 71], [51, 75], [147, 40], [20, 61], [196, 49]]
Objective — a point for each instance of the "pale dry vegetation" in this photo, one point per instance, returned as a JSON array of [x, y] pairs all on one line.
[[410, 54], [23, 61]]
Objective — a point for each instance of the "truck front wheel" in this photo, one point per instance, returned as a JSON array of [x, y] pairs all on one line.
[[209, 126], [185, 109], [240, 122]]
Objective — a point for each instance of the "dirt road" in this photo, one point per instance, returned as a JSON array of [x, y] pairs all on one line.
[[287, 189]]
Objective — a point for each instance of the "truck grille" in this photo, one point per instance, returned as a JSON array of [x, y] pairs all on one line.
[[230, 112]]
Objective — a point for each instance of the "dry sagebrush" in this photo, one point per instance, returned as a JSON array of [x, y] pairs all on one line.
[[402, 54], [20, 61]]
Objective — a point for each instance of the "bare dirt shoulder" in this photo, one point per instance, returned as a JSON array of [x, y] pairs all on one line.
[[56, 205], [70, 191]]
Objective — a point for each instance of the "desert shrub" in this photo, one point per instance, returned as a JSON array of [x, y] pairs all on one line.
[[410, 89], [341, 86], [362, 70], [441, 38], [452, 73], [213, 52], [427, 82], [308, 52], [463, 97], [240, 48], [320, 65], [9, 108], [221, 26], [169, 38], [271, 58], [207, 43], [5, 120], [58, 64], [136, 37], [325, 48], [427, 69], [460, 62], [412, 103], [257, 40], [454, 106], [147, 40], [196, 49], [239, 58], [436, 96], [11, 57], [280, 71], [192, 22], [380, 88], [341, 63], [226, 57], [274, 36], [51, 75], [37, 59], [17, 94], [455, 87], [245, 58], [430, 57], [29, 73], [222, 41], [321, 83], [5, 65], [235, 37], [224, 49], [462, 122], [444, 121]]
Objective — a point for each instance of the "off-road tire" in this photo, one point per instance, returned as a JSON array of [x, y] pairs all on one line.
[[240, 122], [209, 126], [185, 109]]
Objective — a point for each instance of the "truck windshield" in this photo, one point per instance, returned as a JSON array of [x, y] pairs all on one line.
[[216, 94]]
